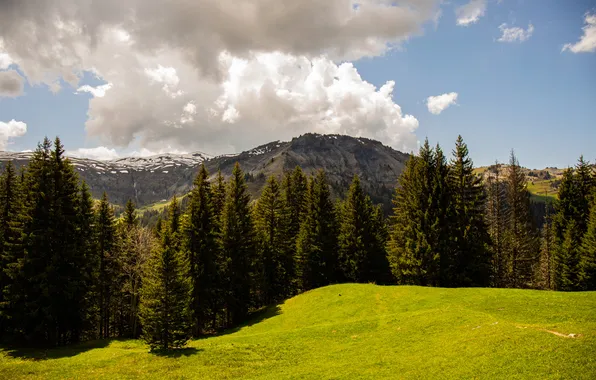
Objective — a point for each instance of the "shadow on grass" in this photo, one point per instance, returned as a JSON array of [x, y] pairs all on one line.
[[254, 318], [54, 353], [176, 353]]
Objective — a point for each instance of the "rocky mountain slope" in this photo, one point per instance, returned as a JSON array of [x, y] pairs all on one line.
[[154, 179]]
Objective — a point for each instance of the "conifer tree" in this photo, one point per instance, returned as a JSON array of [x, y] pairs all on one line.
[[108, 264], [272, 226], [362, 254], [521, 249], [130, 217], [56, 291], [547, 253], [413, 246], [496, 216], [587, 265], [295, 188], [219, 192], [10, 237], [469, 233], [238, 247], [204, 256], [165, 297], [88, 248], [317, 248]]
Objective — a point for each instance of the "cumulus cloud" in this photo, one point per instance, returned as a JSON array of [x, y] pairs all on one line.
[[98, 153], [587, 43], [98, 91], [438, 104], [5, 61], [515, 34], [11, 84], [471, 12], [218, 76], [9, 130]]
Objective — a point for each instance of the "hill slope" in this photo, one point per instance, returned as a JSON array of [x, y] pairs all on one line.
[[363, 331], [156, 179]]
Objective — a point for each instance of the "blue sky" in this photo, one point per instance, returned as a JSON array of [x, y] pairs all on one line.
[[525, 95]]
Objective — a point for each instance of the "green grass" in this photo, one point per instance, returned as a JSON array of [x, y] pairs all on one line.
[[542, 190], [362, 331]]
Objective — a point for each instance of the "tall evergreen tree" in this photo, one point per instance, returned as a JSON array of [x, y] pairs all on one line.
[[272, 219], [546, 273], [130, 217], [415, 243], [469, 232], [50, 307], [521, 249], [317, 246], [587, 265], [295, 188], [362, 252], [204, 256], [496, 217], [108, 264], [10, 237], [165, 297], [238, 245]]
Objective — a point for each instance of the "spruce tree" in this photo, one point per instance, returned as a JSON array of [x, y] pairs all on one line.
[[165, 296], [108, 264], [238, 247], [362, 253], [415, 244], [272, 225], [130, 217], [10, 238], [521, 244], [497, 220], [547, 267], [49, 278], [317, 248], [295, 188], [587, 265], [204, 256], [219, 192], [468, 232]]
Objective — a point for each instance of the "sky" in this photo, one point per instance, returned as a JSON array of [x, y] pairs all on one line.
[[140, 77]]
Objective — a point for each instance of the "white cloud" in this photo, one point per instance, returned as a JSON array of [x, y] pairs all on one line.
[[5, 61], [471, 12], [249, 80], [515, 34], [11, 84], [438, 104], [587, 43], [11, 129], [98, 91], [98, 153]]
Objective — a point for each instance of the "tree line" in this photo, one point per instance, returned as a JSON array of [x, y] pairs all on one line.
[[72, 271]]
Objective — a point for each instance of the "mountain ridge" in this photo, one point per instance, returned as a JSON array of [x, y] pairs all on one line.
[[147, 180]]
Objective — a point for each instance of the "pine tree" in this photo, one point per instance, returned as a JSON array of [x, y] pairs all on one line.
[[219, 192], [587, 265], [10, 237], [49, 278], [521, 250], [130, 218], [165, 297], [496, 217], [295, 188], [469, 233], [317, 246], [362, 253], [414, 246], [108, 264], [272, 219], [88, 248], [238, 245], [204, 256], [547, 257]]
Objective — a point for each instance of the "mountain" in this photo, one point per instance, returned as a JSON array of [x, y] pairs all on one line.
[[153, 179]]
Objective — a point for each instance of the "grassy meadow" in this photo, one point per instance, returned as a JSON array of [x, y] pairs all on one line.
[[360, 331]]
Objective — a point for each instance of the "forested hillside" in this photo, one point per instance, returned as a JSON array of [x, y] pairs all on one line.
[[88, 275]]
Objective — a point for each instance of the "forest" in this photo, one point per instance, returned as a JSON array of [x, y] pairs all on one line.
[[71, 271]]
